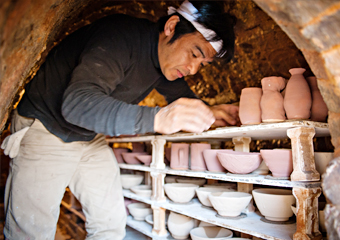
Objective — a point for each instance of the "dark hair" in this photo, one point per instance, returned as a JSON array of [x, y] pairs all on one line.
[[211, 16]]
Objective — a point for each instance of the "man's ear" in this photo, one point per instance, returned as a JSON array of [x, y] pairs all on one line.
[[170, 25]]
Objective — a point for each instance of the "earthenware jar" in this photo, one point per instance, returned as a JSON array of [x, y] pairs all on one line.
[[180, 225], [298, 98], [249, 109], [272, 100], [197, 160], [179, 156], [319, 110]]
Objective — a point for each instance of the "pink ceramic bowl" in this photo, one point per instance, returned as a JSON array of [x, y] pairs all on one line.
[[130, 157], [210, 158], [279, 161], [146, 159], [118, 154], [239, 162]]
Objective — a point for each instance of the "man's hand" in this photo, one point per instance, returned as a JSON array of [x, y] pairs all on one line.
[[190, 115], [225, 115]]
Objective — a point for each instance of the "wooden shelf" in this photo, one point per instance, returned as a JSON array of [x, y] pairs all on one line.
[[263, 131], [259, 179], [251, 224], [143, 227]]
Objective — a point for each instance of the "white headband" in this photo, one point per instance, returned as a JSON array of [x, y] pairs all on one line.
[[190, 13]]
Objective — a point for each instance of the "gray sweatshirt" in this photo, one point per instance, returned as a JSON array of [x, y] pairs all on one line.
[[93, 80]]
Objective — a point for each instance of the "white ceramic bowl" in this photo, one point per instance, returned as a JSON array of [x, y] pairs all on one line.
[[204, 192], [180, 192], [197, 181], [130, 180], [229, 204], [274, 204], [321, 161], [179, 225], [139, 210], [142, 190], [205, 233]]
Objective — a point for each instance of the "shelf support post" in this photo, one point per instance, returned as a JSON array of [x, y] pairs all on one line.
[[157, 187], [158, 153], [303, 154], [241, 144], [307, 221], [159, 221]]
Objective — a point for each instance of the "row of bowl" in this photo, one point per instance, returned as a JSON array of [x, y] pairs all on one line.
[[274, 204]]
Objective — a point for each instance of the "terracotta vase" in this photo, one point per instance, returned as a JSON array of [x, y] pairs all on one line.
[[118, 154], [179, 156], [197, 160], [249, 109], [319, 110], [272, 100], [298, 98]]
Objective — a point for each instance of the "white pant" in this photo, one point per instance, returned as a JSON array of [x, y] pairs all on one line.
[[44, 167]]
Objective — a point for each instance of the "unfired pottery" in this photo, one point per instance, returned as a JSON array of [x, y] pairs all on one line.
[[179, 225], [130, 157], [274, 204], [272, 100], [118, 154], [230, 204], [197, 160], [319, 110], [179, 156], [240, 162], [321, 161], [142, 190], [146, 159], [139, 210], [180, 192], [279, 161], [206, 233], [130, 180], [204, 192], [298, 98], [249, 109], [210, 158]]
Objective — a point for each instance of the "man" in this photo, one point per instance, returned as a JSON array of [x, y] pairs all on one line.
[[89, 87]]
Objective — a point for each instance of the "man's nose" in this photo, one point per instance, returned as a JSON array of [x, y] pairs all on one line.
[[194, 67]]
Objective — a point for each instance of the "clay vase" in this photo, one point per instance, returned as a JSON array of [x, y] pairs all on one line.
[[319, 110], [272, 100], [298, 99], [179, 156], [118, 154], [179, 225], [197, 162], [249, 109]]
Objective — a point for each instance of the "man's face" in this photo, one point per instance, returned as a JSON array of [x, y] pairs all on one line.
[[185, 56]]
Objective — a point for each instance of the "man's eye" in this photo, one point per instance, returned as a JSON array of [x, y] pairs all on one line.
[[193, 54]]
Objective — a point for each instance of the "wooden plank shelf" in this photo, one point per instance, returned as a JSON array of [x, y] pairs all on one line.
[[259, 179], [143, 227], [263, 131]]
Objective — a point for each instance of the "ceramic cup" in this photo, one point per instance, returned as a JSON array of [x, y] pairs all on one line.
[[197, 160], [179, 156]]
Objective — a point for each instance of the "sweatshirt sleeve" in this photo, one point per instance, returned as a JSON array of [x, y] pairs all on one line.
[[87, 102]]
